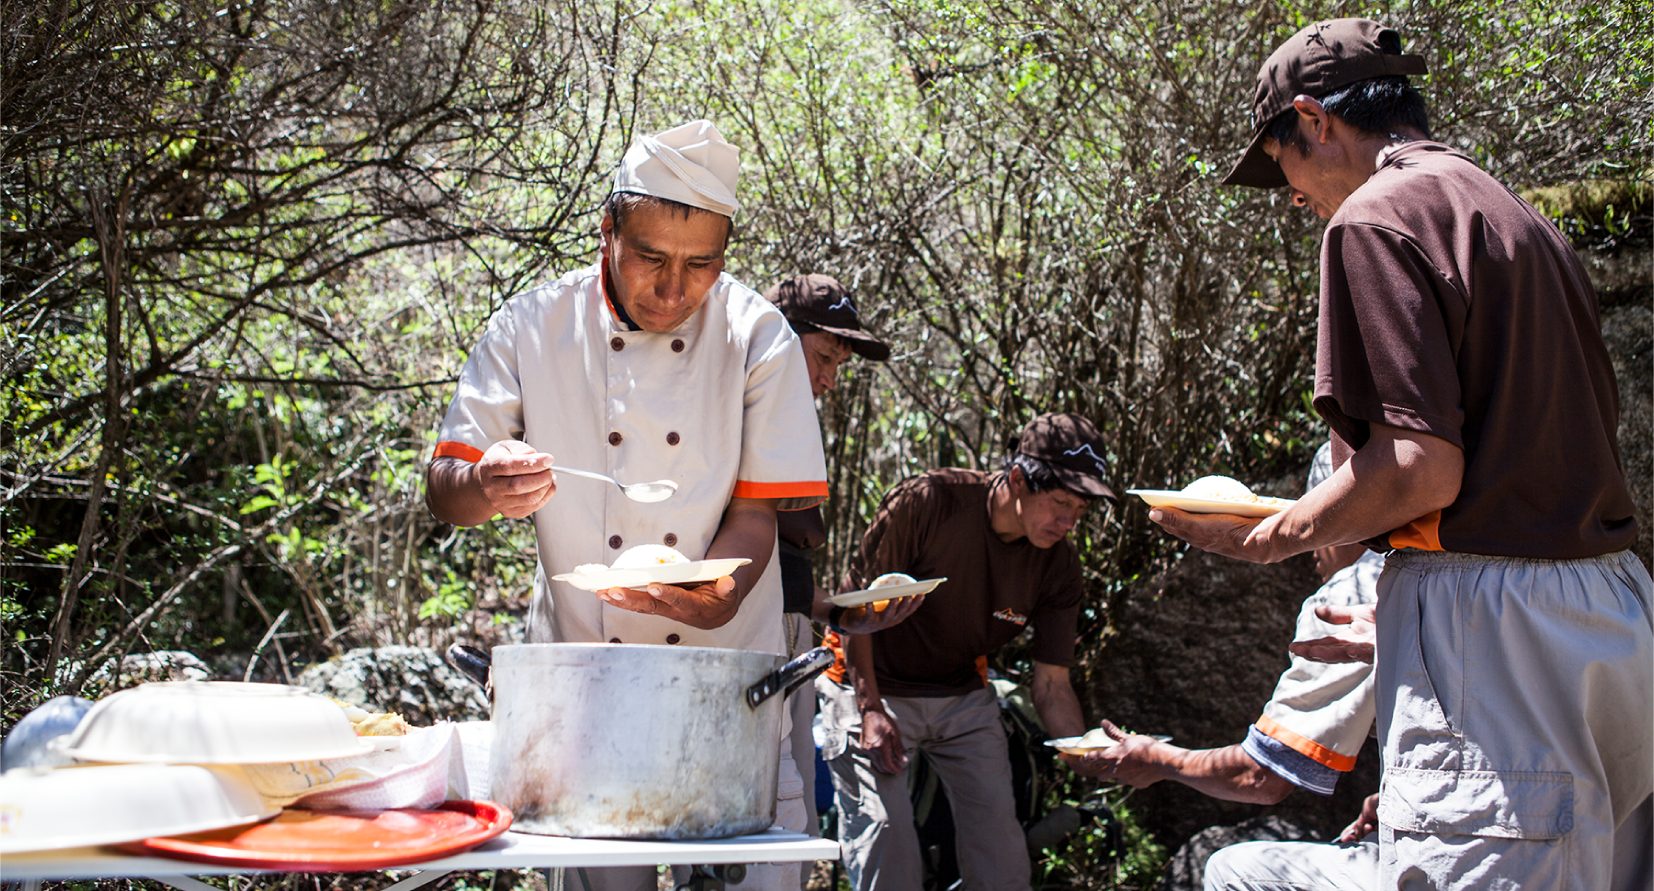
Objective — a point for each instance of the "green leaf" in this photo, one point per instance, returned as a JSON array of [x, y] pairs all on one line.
[[258, 503]]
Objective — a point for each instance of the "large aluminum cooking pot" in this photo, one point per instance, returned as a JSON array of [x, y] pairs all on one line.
[[634, 741]]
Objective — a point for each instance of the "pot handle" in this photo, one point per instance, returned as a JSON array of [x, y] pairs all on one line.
[[788, 677], [472, 662]]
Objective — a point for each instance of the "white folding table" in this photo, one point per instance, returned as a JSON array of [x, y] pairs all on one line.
[[513, 850]]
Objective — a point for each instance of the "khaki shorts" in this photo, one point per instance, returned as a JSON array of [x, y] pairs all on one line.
[[1515, 720]]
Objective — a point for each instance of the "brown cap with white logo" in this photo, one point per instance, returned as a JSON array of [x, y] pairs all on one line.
[[1314, 62], [1071, 446], [816, 302]]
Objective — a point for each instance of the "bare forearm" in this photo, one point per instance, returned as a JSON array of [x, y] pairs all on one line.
[[1227, 773], [454, 495], [1054, 700], [747, 530], [858, 657], [820, 608], [1397, 477]]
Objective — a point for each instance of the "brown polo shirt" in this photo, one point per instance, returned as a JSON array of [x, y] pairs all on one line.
[[1451, 307], [936, 525]]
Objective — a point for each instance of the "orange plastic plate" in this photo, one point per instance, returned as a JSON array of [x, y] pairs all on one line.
[[340, 841]]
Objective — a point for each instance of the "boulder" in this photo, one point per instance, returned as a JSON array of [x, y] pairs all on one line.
[[143, 668], [415, 682], [1187, 869], [1628, 332]]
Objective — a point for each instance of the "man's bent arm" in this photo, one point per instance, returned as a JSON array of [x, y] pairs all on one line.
[[1397, 477], [747, 530], [511, 479]]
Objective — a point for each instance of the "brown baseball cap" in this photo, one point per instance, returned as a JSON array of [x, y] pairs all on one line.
[[816, 302], [1317, 60], [1071, 446]]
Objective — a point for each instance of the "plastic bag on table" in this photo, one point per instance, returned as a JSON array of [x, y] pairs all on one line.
[[403, 771]]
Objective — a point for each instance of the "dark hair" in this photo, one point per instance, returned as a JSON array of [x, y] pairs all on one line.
[[1038, 475], [1380, 105], [619, 204]]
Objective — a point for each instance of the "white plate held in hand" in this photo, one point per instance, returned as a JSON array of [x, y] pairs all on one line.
[[885, 592], [1079, 745], [596, 577], [1264, 505], [1091, 742]]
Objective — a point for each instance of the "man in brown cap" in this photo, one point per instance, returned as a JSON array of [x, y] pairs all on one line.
[[1474, 411], [1001, 541], [823, 314]]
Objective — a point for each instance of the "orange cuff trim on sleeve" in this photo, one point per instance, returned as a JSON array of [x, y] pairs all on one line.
[[1305, 746], [746, 489], [1424, 533], [451, 449]]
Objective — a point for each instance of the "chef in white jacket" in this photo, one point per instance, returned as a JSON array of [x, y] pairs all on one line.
[[650, 364]]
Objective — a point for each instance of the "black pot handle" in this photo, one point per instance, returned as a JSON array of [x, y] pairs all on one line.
[[788, 677], [472, 662]]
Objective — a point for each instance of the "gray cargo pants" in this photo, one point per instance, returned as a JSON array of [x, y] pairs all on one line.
[[965, 742], [1516, 710]]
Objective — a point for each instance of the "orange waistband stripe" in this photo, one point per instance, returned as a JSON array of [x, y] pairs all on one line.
[[811, 489], [1424, 533], [451, 449], [1305, 746]]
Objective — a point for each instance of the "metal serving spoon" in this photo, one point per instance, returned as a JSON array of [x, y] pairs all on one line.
[[646, 493]]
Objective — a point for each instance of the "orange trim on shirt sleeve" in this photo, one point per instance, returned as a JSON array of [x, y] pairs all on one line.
[[1424, 533], [982, 669], [748, 489], [451, 449], [1305, 746]]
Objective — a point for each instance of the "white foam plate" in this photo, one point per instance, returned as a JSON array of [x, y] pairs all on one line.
[[75, 807], [1263, 507], [888, 592], [1076, 745], [667, 574], [214, 722]]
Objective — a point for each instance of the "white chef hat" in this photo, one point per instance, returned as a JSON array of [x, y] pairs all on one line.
[[690, 164]]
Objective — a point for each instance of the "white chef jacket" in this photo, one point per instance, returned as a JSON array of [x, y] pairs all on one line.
[[722, 405]]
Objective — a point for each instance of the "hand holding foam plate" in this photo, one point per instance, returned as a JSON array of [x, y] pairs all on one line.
[[889, 586], [1215, 495], [645, 565]]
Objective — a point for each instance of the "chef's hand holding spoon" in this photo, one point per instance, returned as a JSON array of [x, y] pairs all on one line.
[[515, 478]]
